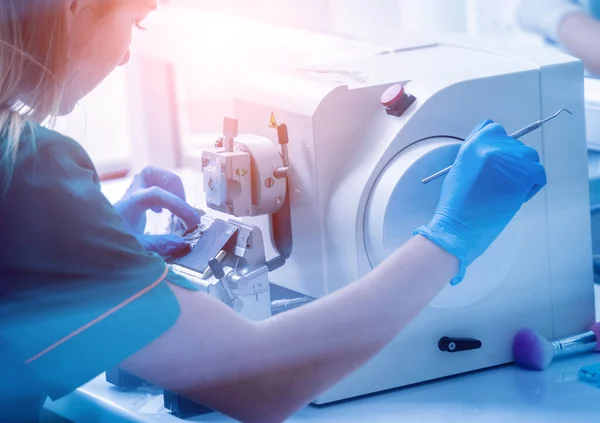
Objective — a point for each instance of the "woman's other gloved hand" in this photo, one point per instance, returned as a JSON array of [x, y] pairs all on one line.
[[493, 175], [544, 17], [156, 189]]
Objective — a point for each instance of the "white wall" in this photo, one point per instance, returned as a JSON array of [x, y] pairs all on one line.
[[494, 18], [306, 14], [357, 18], [214, 44]]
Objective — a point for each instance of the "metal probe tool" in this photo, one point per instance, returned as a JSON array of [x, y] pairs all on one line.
[[516, 135]]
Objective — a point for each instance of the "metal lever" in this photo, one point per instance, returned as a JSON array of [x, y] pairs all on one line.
[[516, 135], [242, 281], [235, 303], [230, 131], [284, 139]]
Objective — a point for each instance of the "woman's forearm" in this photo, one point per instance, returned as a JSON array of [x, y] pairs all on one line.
[[580, 35], [263, 372], [336, 335]]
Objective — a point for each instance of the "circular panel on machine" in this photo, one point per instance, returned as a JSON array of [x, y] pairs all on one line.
[[399, 203]]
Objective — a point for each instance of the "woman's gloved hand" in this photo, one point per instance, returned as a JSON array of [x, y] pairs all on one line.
[[156, 189], [544, 17], [493, 175]]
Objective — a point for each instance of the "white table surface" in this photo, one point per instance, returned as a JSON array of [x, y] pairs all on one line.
[[504, 394]]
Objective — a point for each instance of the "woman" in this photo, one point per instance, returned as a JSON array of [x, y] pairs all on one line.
[[566, 23], [81, 294]]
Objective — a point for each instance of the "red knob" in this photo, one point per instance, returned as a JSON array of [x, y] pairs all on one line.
[[392, 95], [396, 100]]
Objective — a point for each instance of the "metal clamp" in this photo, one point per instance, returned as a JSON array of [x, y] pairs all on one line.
[[233, 301]]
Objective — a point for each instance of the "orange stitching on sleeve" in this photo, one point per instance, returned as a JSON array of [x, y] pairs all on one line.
[[99, 318]]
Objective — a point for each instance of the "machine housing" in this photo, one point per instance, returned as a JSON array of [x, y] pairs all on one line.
[[355, 193]]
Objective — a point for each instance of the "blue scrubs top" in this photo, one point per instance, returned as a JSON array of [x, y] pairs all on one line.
[[78, 294]]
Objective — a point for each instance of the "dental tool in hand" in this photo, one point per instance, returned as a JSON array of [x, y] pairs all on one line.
[[520, 133]]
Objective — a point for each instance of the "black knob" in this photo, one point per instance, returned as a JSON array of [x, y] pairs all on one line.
[[452, 345], [275, 263], [217, 269]]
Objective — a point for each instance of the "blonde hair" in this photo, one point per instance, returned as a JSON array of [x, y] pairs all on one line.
[[33, 57]]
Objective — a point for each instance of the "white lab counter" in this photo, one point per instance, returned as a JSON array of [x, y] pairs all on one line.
[[504, 394]]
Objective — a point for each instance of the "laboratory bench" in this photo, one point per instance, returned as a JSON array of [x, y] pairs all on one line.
[[502, 394]]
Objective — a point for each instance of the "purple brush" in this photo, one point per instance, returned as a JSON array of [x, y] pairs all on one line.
[[534, 352]]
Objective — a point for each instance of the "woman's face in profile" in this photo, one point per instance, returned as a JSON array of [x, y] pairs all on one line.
[[98, 45]]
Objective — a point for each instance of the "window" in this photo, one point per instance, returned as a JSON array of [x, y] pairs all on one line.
[[100, 123]]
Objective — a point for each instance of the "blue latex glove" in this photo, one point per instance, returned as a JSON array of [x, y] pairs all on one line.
[[156, 189], [493, 175]]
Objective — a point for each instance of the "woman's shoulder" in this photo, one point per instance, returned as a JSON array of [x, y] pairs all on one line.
[[46, 139], [49, 161], [40, 145]]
